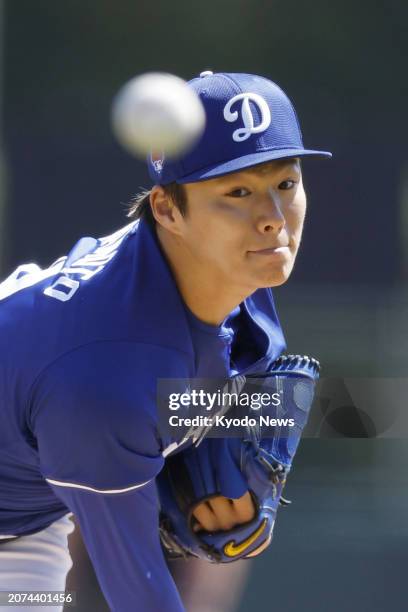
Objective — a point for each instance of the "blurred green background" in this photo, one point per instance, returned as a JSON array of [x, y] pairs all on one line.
[[343, 544]]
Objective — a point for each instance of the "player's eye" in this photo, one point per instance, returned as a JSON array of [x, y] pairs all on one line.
[[239, 192], [288, 184]]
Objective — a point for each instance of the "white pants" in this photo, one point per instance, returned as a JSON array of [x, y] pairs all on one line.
[[37, 562]]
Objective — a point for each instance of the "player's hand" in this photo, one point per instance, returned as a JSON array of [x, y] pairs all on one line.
[[221, 513]]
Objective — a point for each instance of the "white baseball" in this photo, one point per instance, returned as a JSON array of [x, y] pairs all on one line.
[[157, 111]]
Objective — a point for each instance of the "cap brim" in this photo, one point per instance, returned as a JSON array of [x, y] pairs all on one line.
[[234, 165]]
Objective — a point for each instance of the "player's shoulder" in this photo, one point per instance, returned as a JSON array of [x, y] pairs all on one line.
[[115, 368], [105, 298], [46, 312], [108, 381], [94, 413], [29, 284], [38, 302]]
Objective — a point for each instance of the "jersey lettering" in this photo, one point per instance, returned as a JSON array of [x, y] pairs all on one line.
[[86, 266], [64, 287], [27, 275]]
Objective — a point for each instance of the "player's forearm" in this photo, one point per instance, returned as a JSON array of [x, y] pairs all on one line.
[[121, 535]]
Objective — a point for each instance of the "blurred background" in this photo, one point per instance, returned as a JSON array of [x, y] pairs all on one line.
[[342, 546]]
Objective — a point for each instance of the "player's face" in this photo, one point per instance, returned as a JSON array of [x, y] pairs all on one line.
[[247, 226]]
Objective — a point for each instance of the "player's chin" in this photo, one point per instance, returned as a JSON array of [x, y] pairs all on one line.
[[274, 277]]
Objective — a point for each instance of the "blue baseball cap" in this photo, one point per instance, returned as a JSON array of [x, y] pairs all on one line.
[[249, 120]]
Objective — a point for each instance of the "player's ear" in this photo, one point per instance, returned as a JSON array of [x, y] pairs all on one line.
[[164, 210]]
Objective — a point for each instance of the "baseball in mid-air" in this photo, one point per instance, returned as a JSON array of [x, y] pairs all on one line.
[[157, 112]]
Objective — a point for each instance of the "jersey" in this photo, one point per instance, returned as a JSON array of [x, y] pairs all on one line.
[[82, 345]]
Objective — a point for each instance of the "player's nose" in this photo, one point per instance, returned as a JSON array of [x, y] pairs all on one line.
[[270, 218]]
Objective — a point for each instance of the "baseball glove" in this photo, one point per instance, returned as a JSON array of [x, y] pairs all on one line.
[[231, 466]]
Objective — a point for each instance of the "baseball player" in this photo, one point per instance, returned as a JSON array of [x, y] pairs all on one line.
[[182, 292]]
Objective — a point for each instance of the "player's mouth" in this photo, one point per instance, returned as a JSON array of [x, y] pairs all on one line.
[[279, 252]]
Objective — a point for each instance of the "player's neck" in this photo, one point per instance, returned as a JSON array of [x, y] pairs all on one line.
[[209, 297]]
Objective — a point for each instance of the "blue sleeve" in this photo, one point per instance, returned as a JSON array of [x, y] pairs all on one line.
[[94, 416], [122, 538]]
